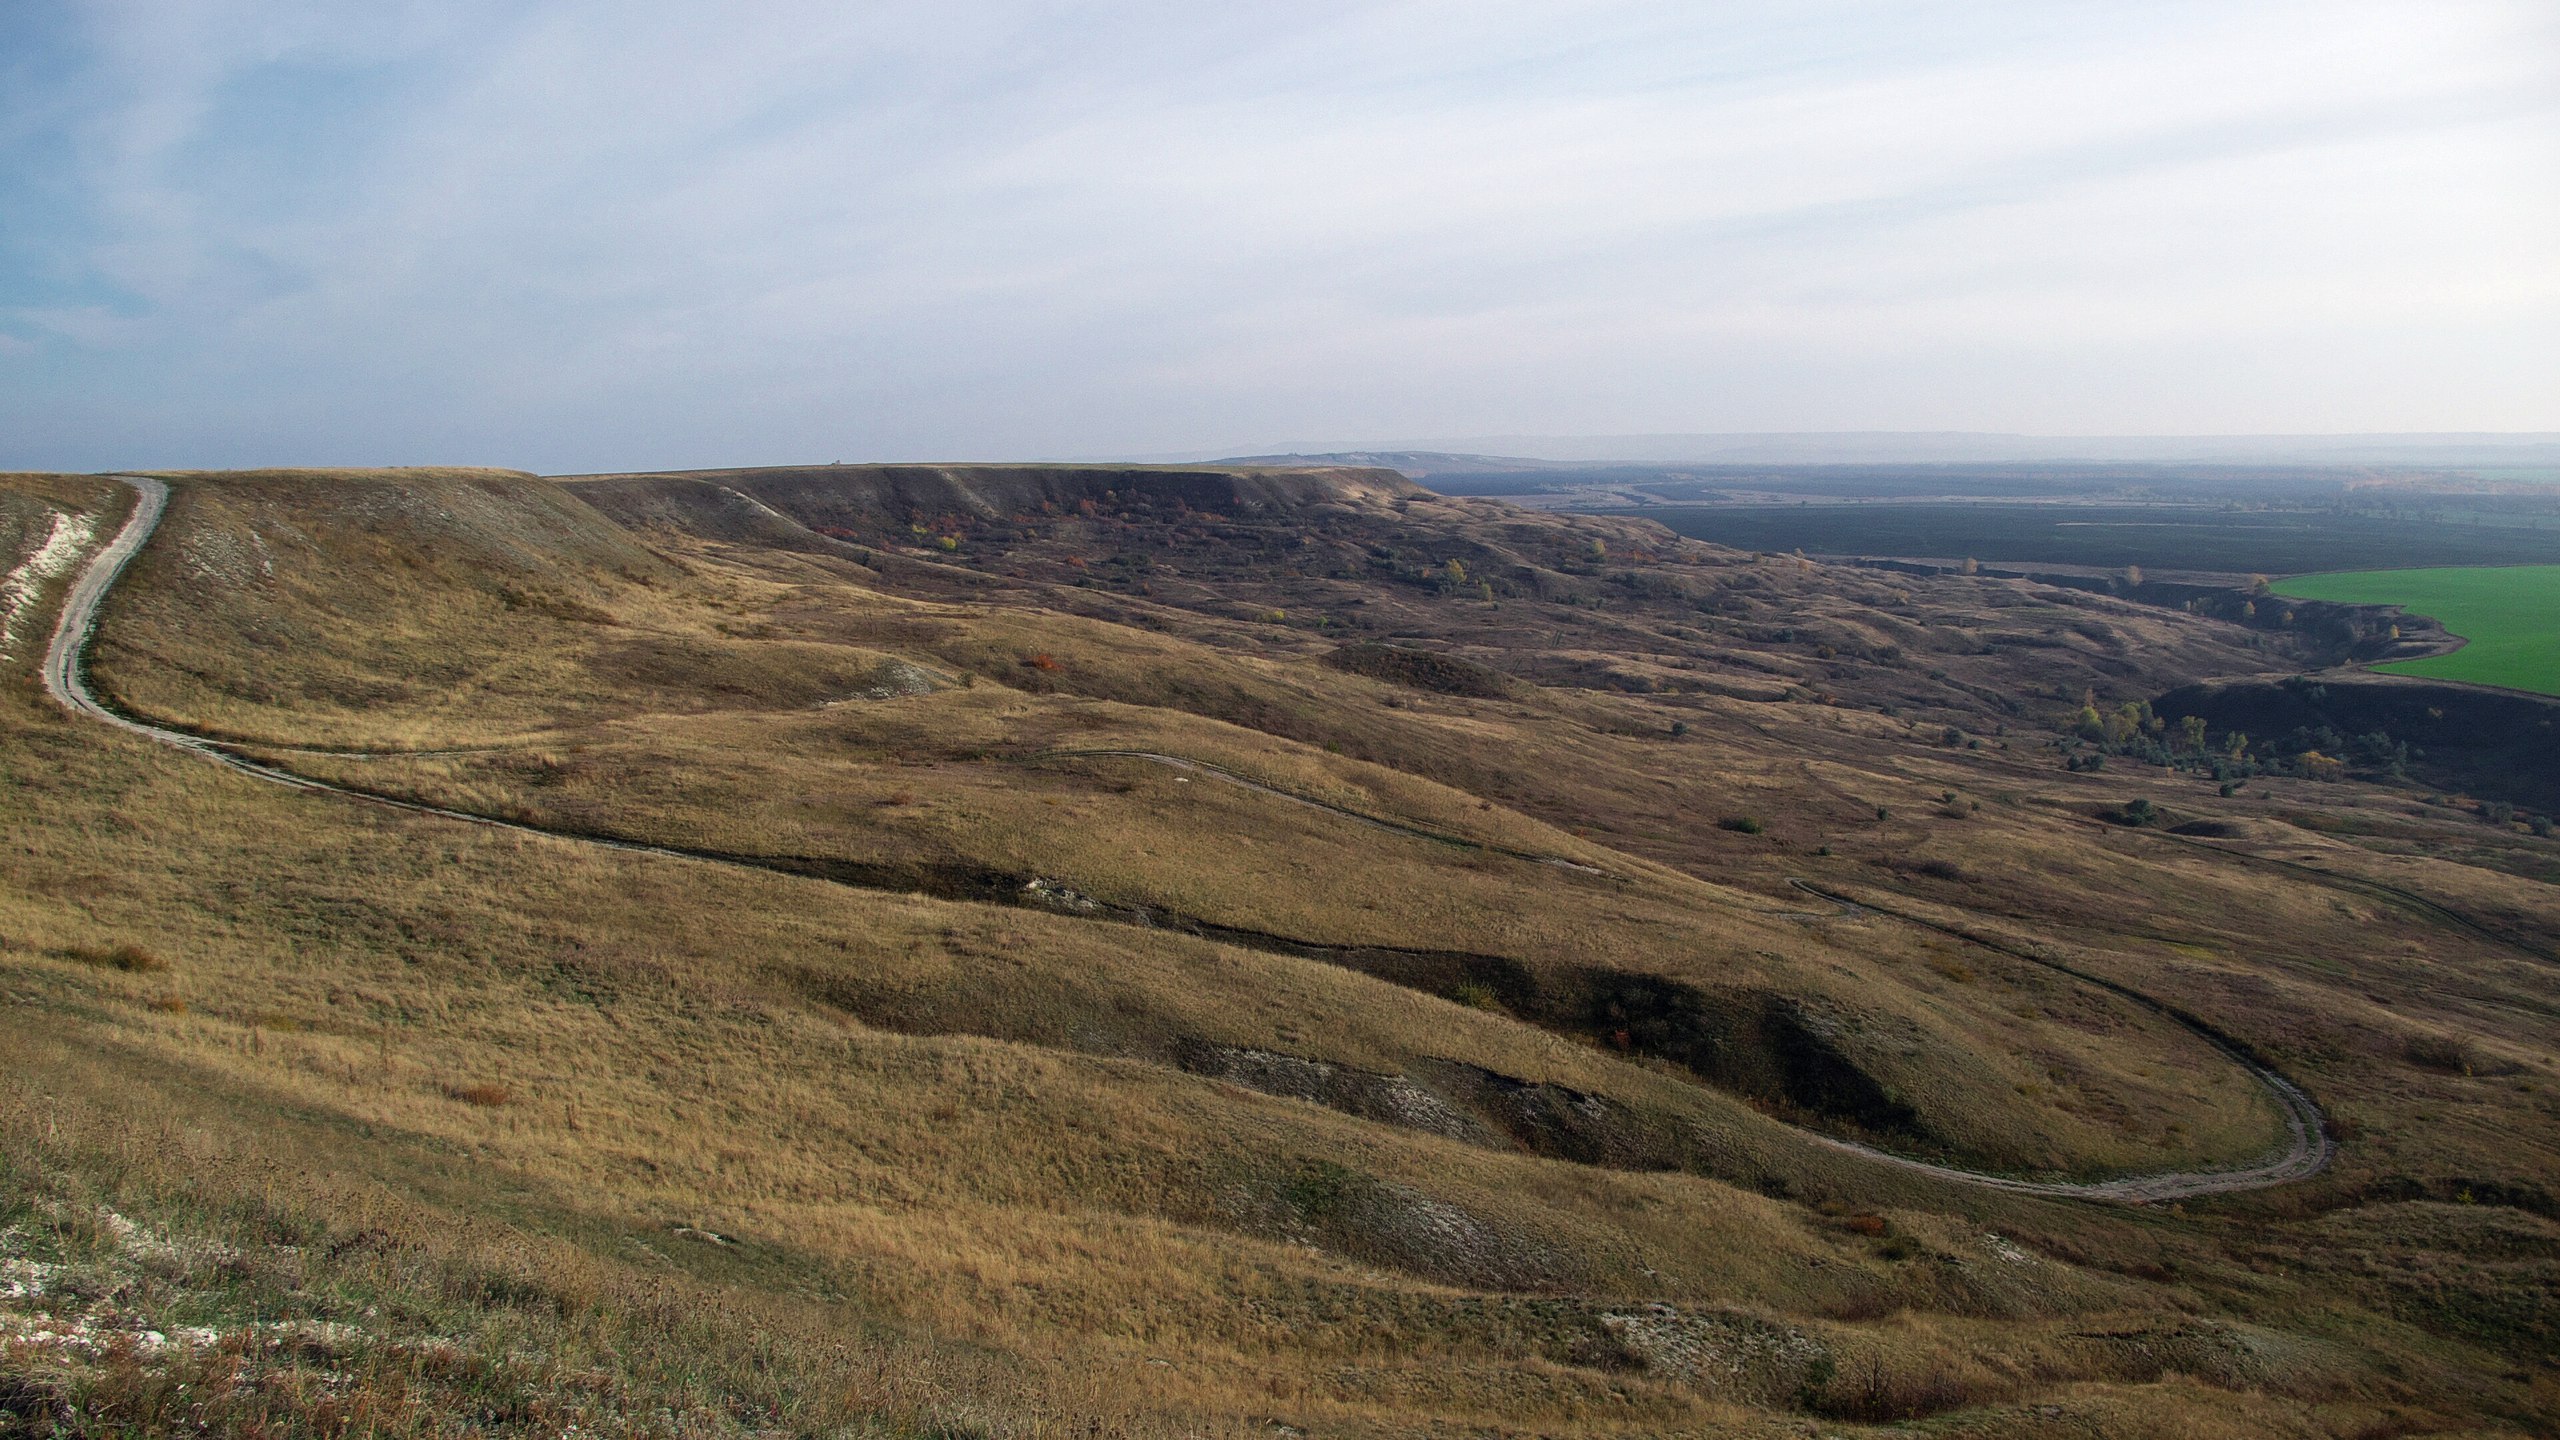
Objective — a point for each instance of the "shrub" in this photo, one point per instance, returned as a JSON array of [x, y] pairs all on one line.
[[1876, 1391], [1742, 824], [2449, 1053], [128, 957], [1320, 1189], [2138, 812], [1421, 670]]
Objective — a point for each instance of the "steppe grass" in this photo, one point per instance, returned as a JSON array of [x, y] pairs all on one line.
[[713, 707], [1049, 1216], [896, 1135]]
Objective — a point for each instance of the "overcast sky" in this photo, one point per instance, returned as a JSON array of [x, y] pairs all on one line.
[[626, 233]]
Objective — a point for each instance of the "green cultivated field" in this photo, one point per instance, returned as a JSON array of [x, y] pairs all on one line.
[[2156, 537], [2510, 614]]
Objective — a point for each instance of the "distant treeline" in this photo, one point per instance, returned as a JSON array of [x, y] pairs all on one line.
[[2496, 745]]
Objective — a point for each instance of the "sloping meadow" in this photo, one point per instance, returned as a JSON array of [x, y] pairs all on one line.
[[1027, 1048]]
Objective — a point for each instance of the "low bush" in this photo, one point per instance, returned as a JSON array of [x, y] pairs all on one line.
[[1875, 1390], [1421, 670], [2449, 1053], [128, 957]]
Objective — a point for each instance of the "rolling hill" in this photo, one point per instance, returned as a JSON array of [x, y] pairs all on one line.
[[1067, 950]]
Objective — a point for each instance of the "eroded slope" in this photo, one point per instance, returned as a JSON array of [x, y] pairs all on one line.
[[1095, 1146]]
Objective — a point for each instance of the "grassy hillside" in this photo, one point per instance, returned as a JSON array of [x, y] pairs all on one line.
[[1326, 1101]]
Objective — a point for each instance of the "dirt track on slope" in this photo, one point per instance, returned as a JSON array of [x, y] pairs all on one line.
[[2305, 1150]]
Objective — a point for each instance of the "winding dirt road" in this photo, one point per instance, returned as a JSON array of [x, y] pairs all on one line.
[[2304, 1151]]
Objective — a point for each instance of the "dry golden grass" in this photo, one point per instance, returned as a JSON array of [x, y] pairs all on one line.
[[944, 1160], [712, 743]]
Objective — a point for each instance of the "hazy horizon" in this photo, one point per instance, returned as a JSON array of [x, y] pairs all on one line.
[[1966, 447], [571, 236]]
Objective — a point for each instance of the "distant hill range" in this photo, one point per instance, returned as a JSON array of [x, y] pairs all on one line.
[[1415, 464], [1499, 453]]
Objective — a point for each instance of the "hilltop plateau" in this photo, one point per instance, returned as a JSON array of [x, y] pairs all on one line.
[[1049, 950]]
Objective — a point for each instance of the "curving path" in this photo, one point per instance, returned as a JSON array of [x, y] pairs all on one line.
[[2305, 1150], [1249, 783], [66, 679]]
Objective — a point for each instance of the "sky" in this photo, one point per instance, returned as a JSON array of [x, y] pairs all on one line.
[[570, 235]]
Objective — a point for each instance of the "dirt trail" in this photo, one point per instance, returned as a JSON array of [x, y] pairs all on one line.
[[2305, 1151], [1399, 827]]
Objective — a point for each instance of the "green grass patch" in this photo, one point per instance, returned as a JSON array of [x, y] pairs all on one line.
[[2510, 614], [2157, 537]]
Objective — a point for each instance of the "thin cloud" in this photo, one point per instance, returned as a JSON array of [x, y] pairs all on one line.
[[577, 234]]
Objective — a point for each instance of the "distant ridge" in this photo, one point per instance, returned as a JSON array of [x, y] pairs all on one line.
[[1412, 463], [1525, 452]]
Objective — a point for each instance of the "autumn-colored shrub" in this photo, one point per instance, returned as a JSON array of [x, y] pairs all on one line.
[[128, 957]]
